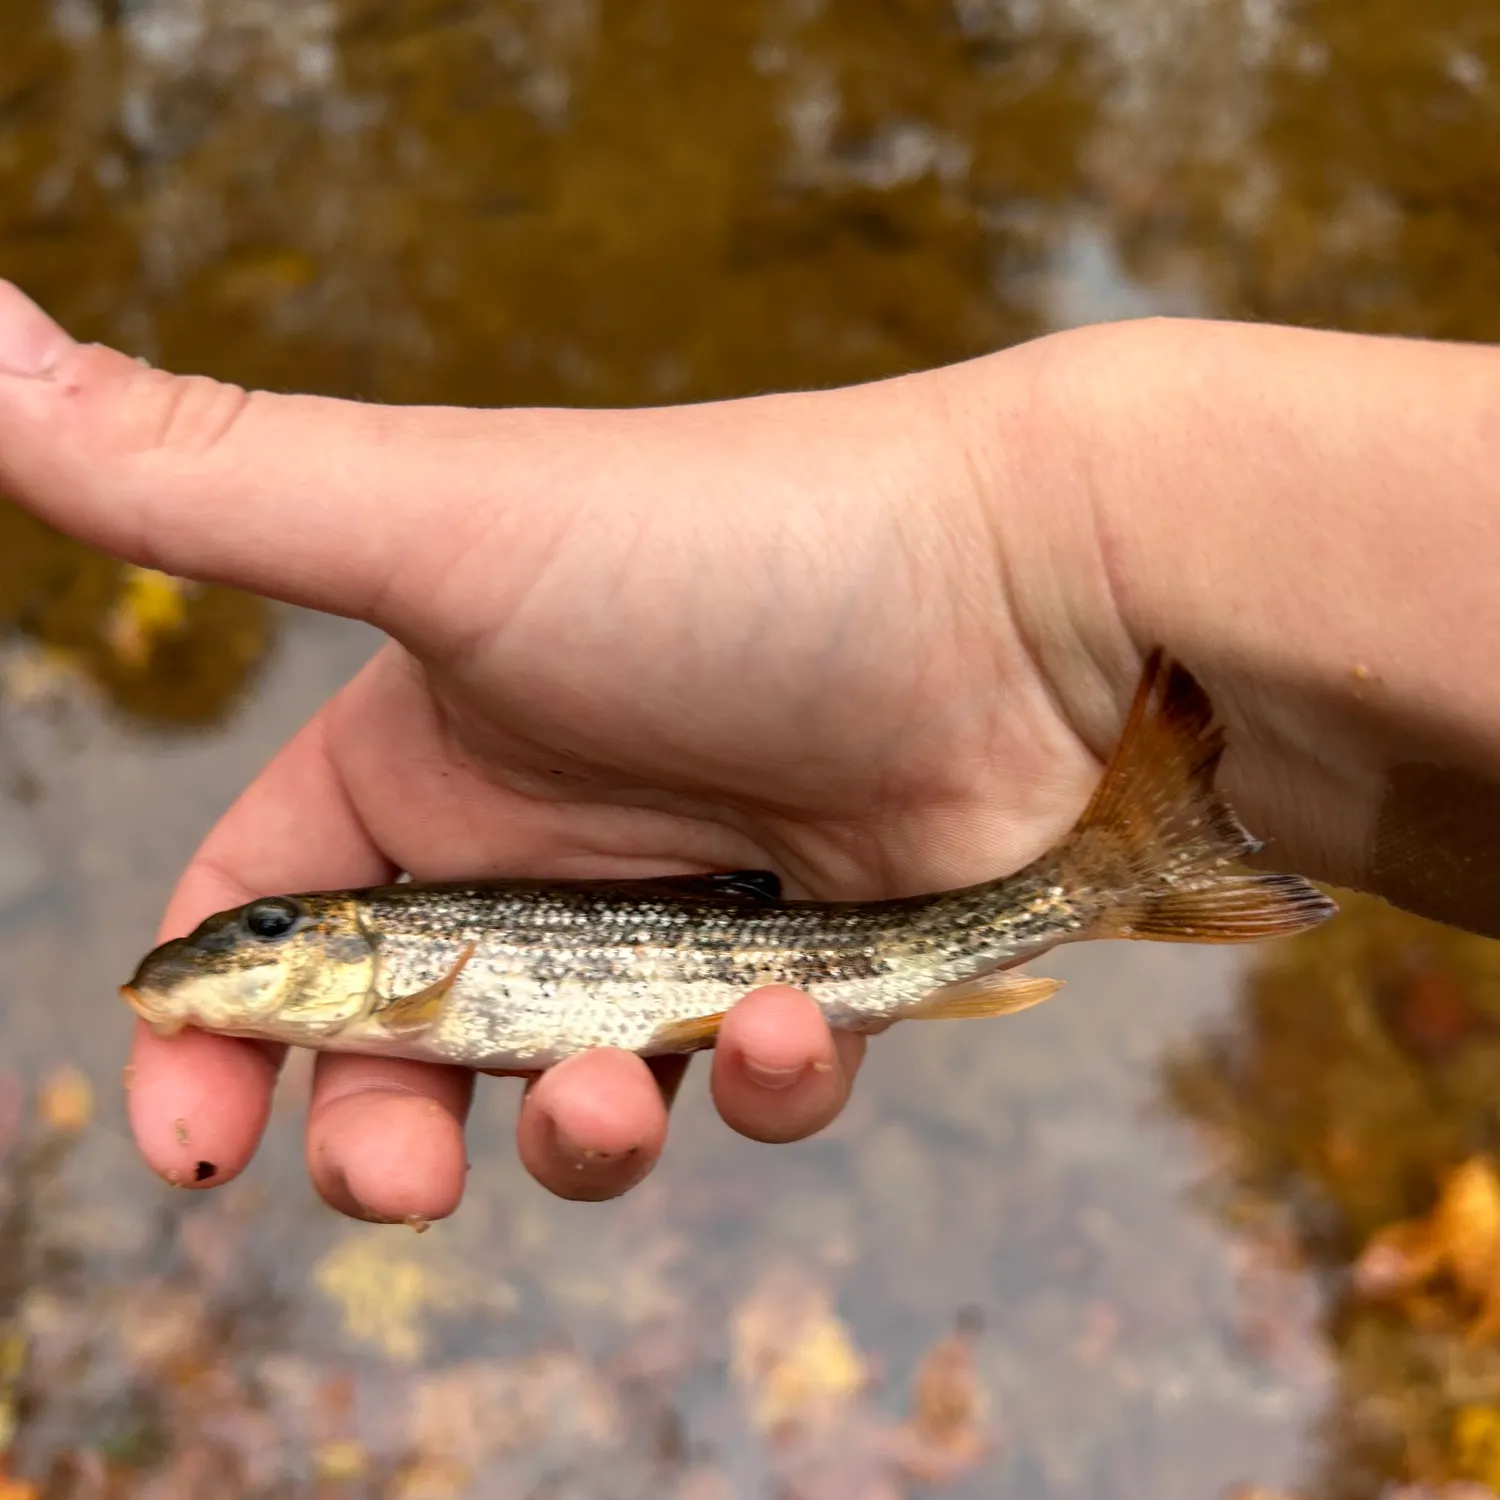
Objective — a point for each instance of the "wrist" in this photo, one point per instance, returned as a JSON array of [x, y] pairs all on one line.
[[1308, 520]]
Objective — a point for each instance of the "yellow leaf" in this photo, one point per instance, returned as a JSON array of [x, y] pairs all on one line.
[[1468, 1218], [383, 1291], [16, 1489], [1476, 1444], [67, 1101], [794, 1355], [1459, 1240], [150, 605], [432, 1479], [338, 1461]]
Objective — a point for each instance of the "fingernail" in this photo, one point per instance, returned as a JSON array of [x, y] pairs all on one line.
[[773, 1078], [30, 342]]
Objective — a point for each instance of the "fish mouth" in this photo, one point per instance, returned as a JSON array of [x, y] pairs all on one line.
[[159, 1024]]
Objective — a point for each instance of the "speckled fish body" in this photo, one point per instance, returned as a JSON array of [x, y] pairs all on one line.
[[516, 975], [554, 968]]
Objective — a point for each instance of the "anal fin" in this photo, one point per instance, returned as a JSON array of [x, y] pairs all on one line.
[[1001, 992], [692, 1034], [410, 1015]]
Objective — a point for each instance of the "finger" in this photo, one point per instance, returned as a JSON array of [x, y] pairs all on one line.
[[779, 1072], [593, 1126], [198, 1103], [263, 491], [385, 1137]]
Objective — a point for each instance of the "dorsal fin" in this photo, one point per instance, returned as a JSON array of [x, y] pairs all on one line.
[[747, 885], [754, 885]]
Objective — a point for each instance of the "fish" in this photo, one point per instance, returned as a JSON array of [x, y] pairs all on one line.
[[514, 975]]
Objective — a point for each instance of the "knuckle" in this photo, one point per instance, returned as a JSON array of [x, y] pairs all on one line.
[[183, 413], [132, 408]]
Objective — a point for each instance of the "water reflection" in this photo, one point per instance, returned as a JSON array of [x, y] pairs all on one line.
[[164, 652], [1350, 1111], [517, 201]]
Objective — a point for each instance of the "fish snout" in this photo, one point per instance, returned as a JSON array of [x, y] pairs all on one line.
[[150, 989]]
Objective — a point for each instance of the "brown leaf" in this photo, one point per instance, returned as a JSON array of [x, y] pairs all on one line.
[[1433, 1014], [1458, 1242], [948, 1403]]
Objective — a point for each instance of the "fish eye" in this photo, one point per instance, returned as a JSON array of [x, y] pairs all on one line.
[[271, 919]]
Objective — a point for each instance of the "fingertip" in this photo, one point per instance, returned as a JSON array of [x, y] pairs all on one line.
[[775, 1035], [779, 1072], [388, 1158], [385, 1138], [198, 1104], [31, 342], [593, 1126]]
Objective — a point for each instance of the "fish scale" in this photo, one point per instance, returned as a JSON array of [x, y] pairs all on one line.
[[548, 972]]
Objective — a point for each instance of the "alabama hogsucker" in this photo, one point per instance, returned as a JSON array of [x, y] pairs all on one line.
[[518, 974]]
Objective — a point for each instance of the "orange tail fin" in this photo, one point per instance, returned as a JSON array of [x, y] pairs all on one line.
[[1170, 843]]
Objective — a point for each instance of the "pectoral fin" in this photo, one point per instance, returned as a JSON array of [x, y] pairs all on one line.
[[409, 1015], [1001, 992]]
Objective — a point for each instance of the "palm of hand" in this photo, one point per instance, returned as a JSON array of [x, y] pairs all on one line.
[[699, 684], [735, 686]]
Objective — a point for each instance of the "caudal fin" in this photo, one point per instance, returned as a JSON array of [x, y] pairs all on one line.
[[1170, 844]]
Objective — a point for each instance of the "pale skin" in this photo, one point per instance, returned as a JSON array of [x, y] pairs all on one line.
[[879, 639]]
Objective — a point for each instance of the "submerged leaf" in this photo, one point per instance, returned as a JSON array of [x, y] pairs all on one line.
[[341, 1461], [67, 1101], [382, 1294], [795, 1358], [1459, 1242], [149, 607], [1476, 1443]]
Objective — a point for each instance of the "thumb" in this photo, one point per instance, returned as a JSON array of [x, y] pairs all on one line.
[[310, 500]]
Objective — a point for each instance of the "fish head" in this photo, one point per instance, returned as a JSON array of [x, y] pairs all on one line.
[[283, 968]]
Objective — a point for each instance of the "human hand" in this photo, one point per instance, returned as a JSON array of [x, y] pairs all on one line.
[[880, 639], [770, 632]]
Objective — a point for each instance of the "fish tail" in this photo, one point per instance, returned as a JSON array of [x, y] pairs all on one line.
[[1163, 847]]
